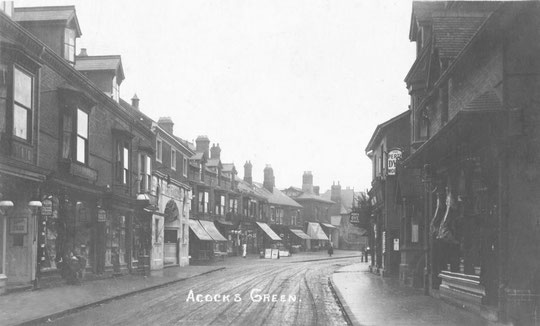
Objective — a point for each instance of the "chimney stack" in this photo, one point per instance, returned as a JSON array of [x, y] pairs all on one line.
[[7, 7], [166, 124], [247, 172], [307, 182], [202, 144], [215, 151], [269, 179], [335, 193], [134, 100], [83, 53]]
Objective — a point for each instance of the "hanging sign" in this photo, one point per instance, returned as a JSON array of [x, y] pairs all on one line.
[[396, 244], [102, 215], [46, 208], [393, 156]]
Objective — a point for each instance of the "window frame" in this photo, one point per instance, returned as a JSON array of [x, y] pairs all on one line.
[[184, 166], [69, 56], [173, 159], [77, 136], [14, 103], [159, 150], [144, 173]]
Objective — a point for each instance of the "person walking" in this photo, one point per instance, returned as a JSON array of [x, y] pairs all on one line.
[[244, 250], [330, 250]]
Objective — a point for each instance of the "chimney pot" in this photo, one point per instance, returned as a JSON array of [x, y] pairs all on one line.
[[83, 53], [134, 100]]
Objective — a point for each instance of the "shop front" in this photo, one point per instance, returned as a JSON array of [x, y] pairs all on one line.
[[319, 240], [298, 240], [266, 237]]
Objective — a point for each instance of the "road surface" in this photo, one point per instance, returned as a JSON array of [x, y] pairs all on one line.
[[259, 292]]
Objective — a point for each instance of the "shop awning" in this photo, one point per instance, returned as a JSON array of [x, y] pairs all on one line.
[[329, 225], [210, 228], [300, 234], [269, 231], [315, 232], [199, 231]]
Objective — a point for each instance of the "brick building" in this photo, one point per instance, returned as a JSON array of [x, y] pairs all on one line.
[[385, 147], [69, 163], [314, 214], [475, 138]]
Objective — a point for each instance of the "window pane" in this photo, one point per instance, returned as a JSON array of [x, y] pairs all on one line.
[[20, 122], [148, 165], [81, 150], [22, 88], [82, 124], [126, 158]]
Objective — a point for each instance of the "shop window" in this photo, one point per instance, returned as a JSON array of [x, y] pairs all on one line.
[[116, 241], [22, 104]]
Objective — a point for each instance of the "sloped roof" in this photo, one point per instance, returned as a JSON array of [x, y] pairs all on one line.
[[197, 156], [53, 13], [101, 63], [228, 167], [381, 127], [314, 197], [213, 162], [276, 197], [486, 101], [452, 33]]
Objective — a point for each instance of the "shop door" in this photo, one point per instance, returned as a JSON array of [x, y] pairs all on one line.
[[171, 247], [21, 247]]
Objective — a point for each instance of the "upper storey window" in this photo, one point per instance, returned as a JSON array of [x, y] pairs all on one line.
[[69, 45], [82, 136], [115, 90], [22, 104]]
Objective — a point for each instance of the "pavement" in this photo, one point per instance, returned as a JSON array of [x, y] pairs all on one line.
[[369, 299], [32, 307]]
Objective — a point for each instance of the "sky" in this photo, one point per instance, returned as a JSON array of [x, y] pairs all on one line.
[[300, 85]]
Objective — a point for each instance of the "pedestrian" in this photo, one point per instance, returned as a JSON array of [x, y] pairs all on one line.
[[244, 250], [330, 250]]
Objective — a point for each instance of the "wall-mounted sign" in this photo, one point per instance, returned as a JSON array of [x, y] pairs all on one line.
[[18, 225], [46, 208], [396, 244], [393, 156], [102, 215]]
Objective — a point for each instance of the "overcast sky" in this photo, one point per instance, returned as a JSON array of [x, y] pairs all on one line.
[[299, 85]]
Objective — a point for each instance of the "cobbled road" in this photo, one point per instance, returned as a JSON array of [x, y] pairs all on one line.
[[256, 293]]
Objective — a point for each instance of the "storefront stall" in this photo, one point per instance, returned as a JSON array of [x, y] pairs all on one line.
[[319, 240]]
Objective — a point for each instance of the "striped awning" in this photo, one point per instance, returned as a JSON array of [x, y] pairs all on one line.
[[315, 232], [269, 231], [199, 231], [210, 228], [300, 234]]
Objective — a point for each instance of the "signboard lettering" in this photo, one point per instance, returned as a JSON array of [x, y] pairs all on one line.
[[396, 244], [355, 218], [46, 208], [18, 225], [102, 215], [393, 157]]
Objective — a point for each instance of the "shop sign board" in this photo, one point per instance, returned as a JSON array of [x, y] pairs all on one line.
[[275, 253], [46, 208], [396, 244], [393, 157], [18, 225], [102, 215], [268, 253]]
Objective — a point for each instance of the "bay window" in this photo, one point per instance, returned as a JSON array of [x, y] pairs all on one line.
[[203, 202], [82, 136]]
